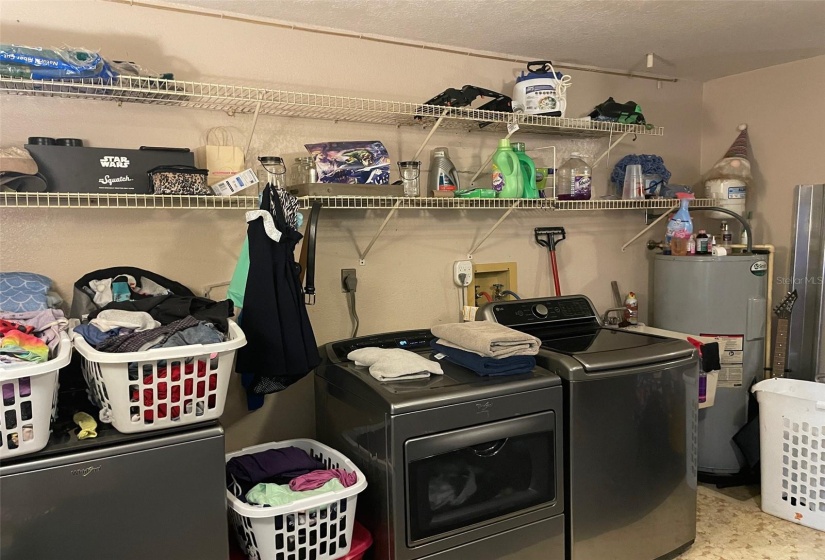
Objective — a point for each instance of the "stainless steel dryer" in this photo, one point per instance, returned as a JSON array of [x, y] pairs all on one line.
[[459, 466], [630, 403]]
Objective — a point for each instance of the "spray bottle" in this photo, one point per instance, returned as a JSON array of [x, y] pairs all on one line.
[[679, 227]]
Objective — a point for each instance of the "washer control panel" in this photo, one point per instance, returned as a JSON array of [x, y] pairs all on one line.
[[540, 310], [406, 340]]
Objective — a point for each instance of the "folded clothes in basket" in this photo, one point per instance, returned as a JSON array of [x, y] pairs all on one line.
[[487, 339], [513, 365]]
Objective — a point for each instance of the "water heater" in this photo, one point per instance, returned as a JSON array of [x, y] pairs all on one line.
[[724, 297]]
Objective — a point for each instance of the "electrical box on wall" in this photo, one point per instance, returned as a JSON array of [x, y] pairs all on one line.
[[498, 281]]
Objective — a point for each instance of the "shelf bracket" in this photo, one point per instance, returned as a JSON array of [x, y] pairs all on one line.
[[252, 130], [430, 135], [610, 147], [653, 223], [478, 245], [393, 210]]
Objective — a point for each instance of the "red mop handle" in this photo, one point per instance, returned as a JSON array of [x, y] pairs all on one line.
[[555, 270]]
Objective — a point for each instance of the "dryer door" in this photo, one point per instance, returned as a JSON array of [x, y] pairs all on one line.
[[465, 478]]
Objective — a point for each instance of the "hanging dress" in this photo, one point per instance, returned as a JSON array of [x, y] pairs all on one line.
[[281, 347]]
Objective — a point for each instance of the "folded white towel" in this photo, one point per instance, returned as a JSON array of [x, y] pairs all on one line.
[[394, 364], [487, 339], [109, 319]]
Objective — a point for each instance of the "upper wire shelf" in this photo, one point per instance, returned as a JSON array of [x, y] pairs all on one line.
[[242, 99], [149, 201]]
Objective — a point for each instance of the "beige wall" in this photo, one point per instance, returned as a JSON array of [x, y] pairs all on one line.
[[782, 106], [406, 282]]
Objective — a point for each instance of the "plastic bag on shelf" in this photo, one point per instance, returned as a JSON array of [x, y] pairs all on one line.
[[59, 64]]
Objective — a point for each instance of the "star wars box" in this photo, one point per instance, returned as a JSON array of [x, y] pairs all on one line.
[[103, 170]]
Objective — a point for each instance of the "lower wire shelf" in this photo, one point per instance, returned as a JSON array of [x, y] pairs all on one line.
[[13, 199]]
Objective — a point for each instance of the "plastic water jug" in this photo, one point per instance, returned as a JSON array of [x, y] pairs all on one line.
[[573, 179]]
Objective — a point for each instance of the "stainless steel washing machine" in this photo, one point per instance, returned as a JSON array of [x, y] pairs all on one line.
[[459, 466], [630, 405]]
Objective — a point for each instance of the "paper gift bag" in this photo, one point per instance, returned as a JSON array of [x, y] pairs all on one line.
[[220, 156]]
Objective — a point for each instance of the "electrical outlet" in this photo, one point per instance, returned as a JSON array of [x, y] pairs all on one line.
[[462, 267], [345, 274]]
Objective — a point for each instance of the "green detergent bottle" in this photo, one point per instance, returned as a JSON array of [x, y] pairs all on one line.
[[507, 176], [528, 171]]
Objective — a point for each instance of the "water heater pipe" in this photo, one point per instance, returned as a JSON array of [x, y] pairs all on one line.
[[769, 300]]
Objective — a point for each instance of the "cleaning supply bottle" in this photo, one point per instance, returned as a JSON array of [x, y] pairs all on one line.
[[679, 227], [692, 245], [443, 174], [702, 243], [726, 236], [573, 179], [528, 171], [508, 181], [631, 309]]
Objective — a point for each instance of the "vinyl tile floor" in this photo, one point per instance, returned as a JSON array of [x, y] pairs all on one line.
[[730, 525]]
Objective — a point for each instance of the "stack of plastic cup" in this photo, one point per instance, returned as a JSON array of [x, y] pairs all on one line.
[[634, 183]]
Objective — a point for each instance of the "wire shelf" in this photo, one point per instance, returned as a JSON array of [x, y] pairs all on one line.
[[652, 204], [242, 99], [435, 203], [146, 201]]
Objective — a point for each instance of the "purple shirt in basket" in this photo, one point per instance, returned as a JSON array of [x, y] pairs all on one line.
[[273, 465]]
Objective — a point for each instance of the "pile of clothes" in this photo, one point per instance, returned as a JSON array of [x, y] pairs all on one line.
[[131, 315], [487, 348], [277, 477], [125, 309], [29, 327]]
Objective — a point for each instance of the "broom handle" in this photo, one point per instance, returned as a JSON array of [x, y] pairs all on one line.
[[554, 269]]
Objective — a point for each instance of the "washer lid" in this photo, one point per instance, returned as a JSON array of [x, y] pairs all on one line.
[[605, 348]]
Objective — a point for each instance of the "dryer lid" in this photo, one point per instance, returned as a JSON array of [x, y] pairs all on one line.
[[604, 349]]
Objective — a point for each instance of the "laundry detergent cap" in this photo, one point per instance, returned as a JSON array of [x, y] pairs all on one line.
[[504, 143]]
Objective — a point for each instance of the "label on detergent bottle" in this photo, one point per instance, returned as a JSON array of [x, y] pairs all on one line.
[[581, 186], [445, 183], [498, 179]]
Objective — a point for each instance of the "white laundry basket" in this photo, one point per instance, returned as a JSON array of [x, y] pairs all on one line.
[[29, 403], [792, 442], [161, 388], [318, 527]]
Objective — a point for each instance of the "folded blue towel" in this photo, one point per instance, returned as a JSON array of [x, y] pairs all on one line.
[[513, 365]]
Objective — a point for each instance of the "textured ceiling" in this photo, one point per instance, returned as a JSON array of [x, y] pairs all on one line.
[[698, 40]]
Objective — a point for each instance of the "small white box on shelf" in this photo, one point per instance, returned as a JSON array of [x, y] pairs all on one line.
[[235, 183]]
